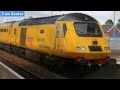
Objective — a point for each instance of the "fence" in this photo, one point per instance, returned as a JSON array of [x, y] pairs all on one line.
[[114, 43]]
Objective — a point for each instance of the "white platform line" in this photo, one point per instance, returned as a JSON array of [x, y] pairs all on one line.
[[9, 69]]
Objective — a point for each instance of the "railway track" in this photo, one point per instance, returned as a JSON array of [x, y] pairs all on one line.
[[8, 73], [23, 72], [26, 69], [32, 71]]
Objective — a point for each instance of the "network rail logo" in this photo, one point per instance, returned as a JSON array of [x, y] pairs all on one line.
[[12, 13]]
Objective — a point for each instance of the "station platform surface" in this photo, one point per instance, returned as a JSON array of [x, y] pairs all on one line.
[[8, 73]]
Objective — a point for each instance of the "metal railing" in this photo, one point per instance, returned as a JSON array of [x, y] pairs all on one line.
[[114, 43]]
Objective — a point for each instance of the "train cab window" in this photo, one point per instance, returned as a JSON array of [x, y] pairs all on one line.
[[14, 31], [41, 31], [64, 30], [87, 29], [58, 30]]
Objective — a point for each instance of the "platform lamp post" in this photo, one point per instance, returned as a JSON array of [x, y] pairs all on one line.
[[114, 24], [114, 31]]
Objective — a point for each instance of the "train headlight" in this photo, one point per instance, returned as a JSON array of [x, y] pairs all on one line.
[[83, 48], [105, 48], [78, 48]]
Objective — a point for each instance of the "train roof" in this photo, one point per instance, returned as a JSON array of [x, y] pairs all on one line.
[[7, 23], [16, 23], [38, 21], [76, 17], [52, 19]]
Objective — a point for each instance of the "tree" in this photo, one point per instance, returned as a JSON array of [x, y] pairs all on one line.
[[118, 24], [109, 22]]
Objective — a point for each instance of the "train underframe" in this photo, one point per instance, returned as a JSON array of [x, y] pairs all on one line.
[[52, 61]]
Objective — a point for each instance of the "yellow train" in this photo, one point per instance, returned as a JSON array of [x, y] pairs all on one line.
[[73, 37]]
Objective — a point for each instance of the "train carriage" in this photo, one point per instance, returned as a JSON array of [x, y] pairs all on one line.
[[76, 36]]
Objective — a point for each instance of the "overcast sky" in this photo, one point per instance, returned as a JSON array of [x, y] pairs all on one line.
[[101, 16]]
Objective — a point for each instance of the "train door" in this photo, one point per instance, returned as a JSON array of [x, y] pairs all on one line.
[[57, 37], [15, 35], [23, 36], [62, 37], [9, 34], [12, 33]]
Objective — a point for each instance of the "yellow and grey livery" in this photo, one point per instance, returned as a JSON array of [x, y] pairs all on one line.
[[73, 36]]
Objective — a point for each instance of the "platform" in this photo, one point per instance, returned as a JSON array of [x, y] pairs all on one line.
[[8, 73]]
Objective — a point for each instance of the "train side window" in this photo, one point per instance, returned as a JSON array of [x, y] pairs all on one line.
[[64, 30], [1, 30], [14, 31], [4, 30], [41, 31]]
